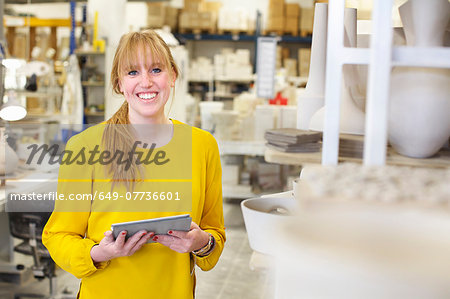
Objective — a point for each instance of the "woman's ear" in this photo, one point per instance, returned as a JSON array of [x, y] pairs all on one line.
[[173, 78]]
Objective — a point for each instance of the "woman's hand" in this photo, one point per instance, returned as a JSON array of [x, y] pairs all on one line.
[[183, 242], [108, 248]]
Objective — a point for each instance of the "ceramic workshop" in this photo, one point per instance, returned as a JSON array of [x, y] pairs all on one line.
[[225, 149]]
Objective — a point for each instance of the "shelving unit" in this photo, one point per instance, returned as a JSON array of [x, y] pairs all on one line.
[[183, 37], [237, 147], [440, 160], [380, 57], [208, 87], [93, 84], [11, 23]]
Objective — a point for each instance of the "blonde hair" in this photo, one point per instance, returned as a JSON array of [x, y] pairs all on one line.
[[118, 136]]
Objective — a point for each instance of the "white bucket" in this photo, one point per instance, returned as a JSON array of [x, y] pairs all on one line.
[[206, 110]]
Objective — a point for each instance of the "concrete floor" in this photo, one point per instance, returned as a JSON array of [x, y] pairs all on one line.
[[231, 278]]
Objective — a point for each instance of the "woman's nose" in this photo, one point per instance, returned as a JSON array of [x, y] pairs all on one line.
[[146, 80]]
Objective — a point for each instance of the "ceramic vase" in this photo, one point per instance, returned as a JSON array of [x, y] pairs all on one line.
[[419, 107], [8, 158], [313, 97], [425, 22], [352, 119]]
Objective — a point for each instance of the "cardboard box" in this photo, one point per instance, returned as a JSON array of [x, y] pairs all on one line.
[[172, 11], [304, 58], [285, 53], [156, 9], [279, 57], [290, 65], [306, 19], [213, 6], [292, 10], [276, 2], [184, 19], [275, 10], [275, 23], [193, 6], [194, 20], [171, 17], [172, 23], [155, 21], [291, 25]]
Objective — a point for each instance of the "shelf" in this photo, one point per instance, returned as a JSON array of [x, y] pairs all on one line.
[[224, 80], [421, 57], [96, 114], [199, 81], [59, 1], [298, 81], [82, 53], [39, 94], [95, 83], [238, 147], [13, 21], [237, 191], [440, 160], [226, 95], [182, 37], [235, 80], [438, 57]]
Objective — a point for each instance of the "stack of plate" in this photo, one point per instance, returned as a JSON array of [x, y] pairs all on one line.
[[293, 140]]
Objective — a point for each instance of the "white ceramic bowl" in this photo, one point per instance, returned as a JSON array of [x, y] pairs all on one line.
[[263, 217]]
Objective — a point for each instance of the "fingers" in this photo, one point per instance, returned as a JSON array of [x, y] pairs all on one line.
[[178, 233], [120, 240], [172, 242], [143, 239], [183, 234], [194, 225], [108, 236], [133, 240]]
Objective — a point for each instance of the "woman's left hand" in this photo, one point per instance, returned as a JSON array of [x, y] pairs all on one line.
[[184, 242]]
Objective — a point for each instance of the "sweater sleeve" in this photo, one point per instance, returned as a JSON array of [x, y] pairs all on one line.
[[212, 216], [64, 233]]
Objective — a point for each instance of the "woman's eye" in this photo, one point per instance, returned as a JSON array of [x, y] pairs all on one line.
[[156, 70], [132, 73]]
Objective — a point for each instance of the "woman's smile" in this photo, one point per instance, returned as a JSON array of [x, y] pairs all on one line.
[[147, 96]]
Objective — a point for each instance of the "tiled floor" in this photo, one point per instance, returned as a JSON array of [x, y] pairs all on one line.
[[231, 278]]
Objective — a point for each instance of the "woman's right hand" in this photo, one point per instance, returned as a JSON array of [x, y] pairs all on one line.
[[108, 248]]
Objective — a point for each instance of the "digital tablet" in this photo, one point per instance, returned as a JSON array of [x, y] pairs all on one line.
[[160, 226]]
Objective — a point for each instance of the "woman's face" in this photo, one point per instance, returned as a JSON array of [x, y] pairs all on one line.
[[146, 89]]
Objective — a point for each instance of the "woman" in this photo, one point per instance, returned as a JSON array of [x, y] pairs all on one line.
[[179, 160]]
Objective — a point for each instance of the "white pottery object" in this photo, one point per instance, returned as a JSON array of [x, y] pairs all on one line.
[[226, 124], [363, 251], [419, 115], [313, 97], [425, 22], [352, 119], [262, 219], [419, 111], [206, 110], [8, 158]]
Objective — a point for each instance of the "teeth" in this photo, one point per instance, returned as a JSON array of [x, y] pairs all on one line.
[[147, 96]]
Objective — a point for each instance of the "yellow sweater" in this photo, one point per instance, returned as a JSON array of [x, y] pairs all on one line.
[[154, 271]]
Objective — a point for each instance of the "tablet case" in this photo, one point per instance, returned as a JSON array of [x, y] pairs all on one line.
[[160, 226]]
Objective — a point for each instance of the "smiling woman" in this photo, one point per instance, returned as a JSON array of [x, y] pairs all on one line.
[[81, 242], [144, 74]]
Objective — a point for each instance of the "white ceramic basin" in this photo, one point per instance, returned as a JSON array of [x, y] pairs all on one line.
[[263, 217]]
